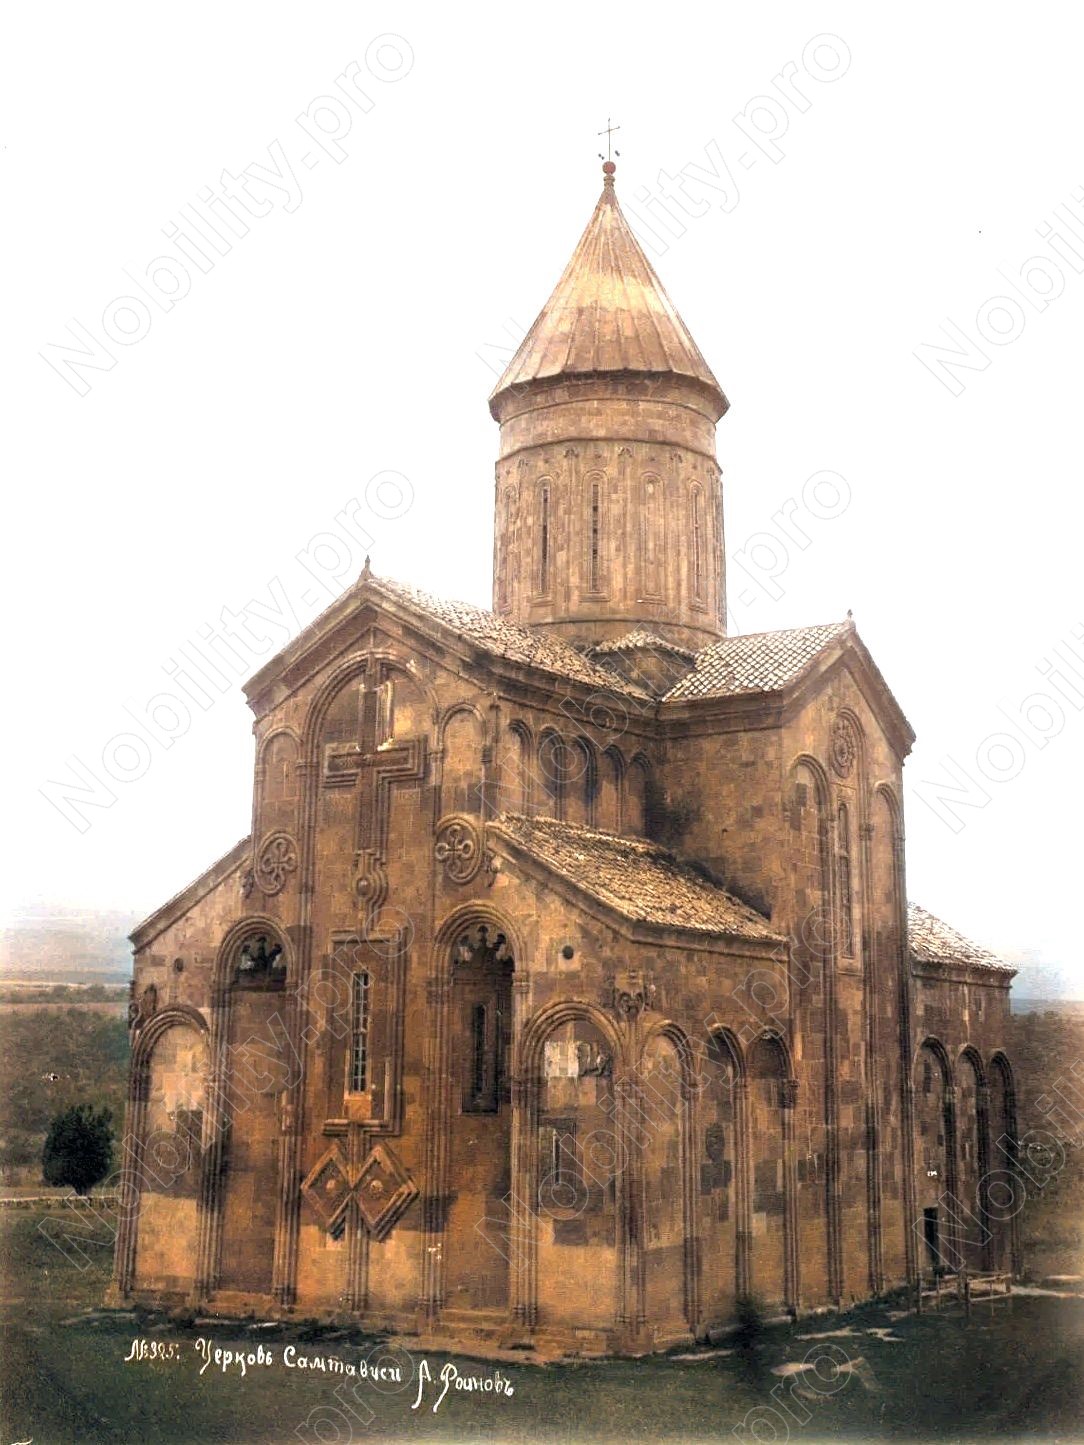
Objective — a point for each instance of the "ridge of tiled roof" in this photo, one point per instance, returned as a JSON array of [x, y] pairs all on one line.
[[637, 638], [508, 639], [934, 941], [756, 661], [641, 880], [608, 313]]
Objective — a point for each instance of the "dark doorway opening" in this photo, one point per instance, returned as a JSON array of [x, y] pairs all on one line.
[[931, 1234]]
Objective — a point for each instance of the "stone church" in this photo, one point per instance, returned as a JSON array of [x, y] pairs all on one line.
[[566, 991]]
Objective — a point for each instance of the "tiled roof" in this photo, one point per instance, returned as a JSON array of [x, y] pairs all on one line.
[[508, 639], [608, 313], [638, 638], [757, 662], [639, 879], [933, 941]]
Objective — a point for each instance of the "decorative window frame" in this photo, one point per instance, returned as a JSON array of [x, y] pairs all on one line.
[[545, 500], [384, 957]]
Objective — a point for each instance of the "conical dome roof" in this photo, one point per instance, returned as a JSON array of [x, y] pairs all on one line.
[[608, 313]]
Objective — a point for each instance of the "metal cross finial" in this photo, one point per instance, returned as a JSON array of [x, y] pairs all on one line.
[[608, 133]]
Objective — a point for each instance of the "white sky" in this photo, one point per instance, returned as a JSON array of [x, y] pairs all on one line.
[[358, 332]]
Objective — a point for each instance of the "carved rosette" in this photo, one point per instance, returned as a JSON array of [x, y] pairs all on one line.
[[458, 848], [844, 748], [276, 860]]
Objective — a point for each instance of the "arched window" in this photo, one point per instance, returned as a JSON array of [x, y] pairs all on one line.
[[359, 1032], [545, 540], [594, 534], [846, 900], [651, 536], [478, 1050], [504, 547], [698, 545], [482, 1007]]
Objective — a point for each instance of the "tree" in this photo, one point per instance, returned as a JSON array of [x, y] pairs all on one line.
[[78, 1148]]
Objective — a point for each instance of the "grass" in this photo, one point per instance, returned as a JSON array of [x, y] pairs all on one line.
[[1011, 1372]]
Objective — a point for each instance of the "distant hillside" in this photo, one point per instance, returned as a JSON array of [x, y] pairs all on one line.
[[1069, 1007], [68, 948]]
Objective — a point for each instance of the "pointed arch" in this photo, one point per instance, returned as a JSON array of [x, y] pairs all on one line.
[[972, 1056], [574, 1170], [973, 1155], [542, 1023], [164, 1146], [580, 782], [814, 1008], [665, 1183], [936, 1049], [1005, 1188], [768, 1088], [254, 926], [463, 742], [934, 1153], [463, 919], [517, 770], [551, 774], [611, 774], [376, 662], [634, 804], [725, 1224]]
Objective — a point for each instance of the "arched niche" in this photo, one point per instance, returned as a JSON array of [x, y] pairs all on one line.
[[611, 772], [808, 822], [767, 1076], [517, 768], [888, 998], [1005, 1187], [972, 1157], [812, 986], [255, 1073], [719, 1161], [278, 792], [580, 783], [170, 1069], [410, 707], [934, 1156], [661, 1137], [480, 958], [634, 810], [462, 742], [550, 776], [578, 1169]]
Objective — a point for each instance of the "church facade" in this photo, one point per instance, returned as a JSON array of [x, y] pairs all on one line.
[[566, 990]]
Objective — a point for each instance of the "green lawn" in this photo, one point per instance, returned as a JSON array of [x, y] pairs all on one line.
[[1014, 1372]]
